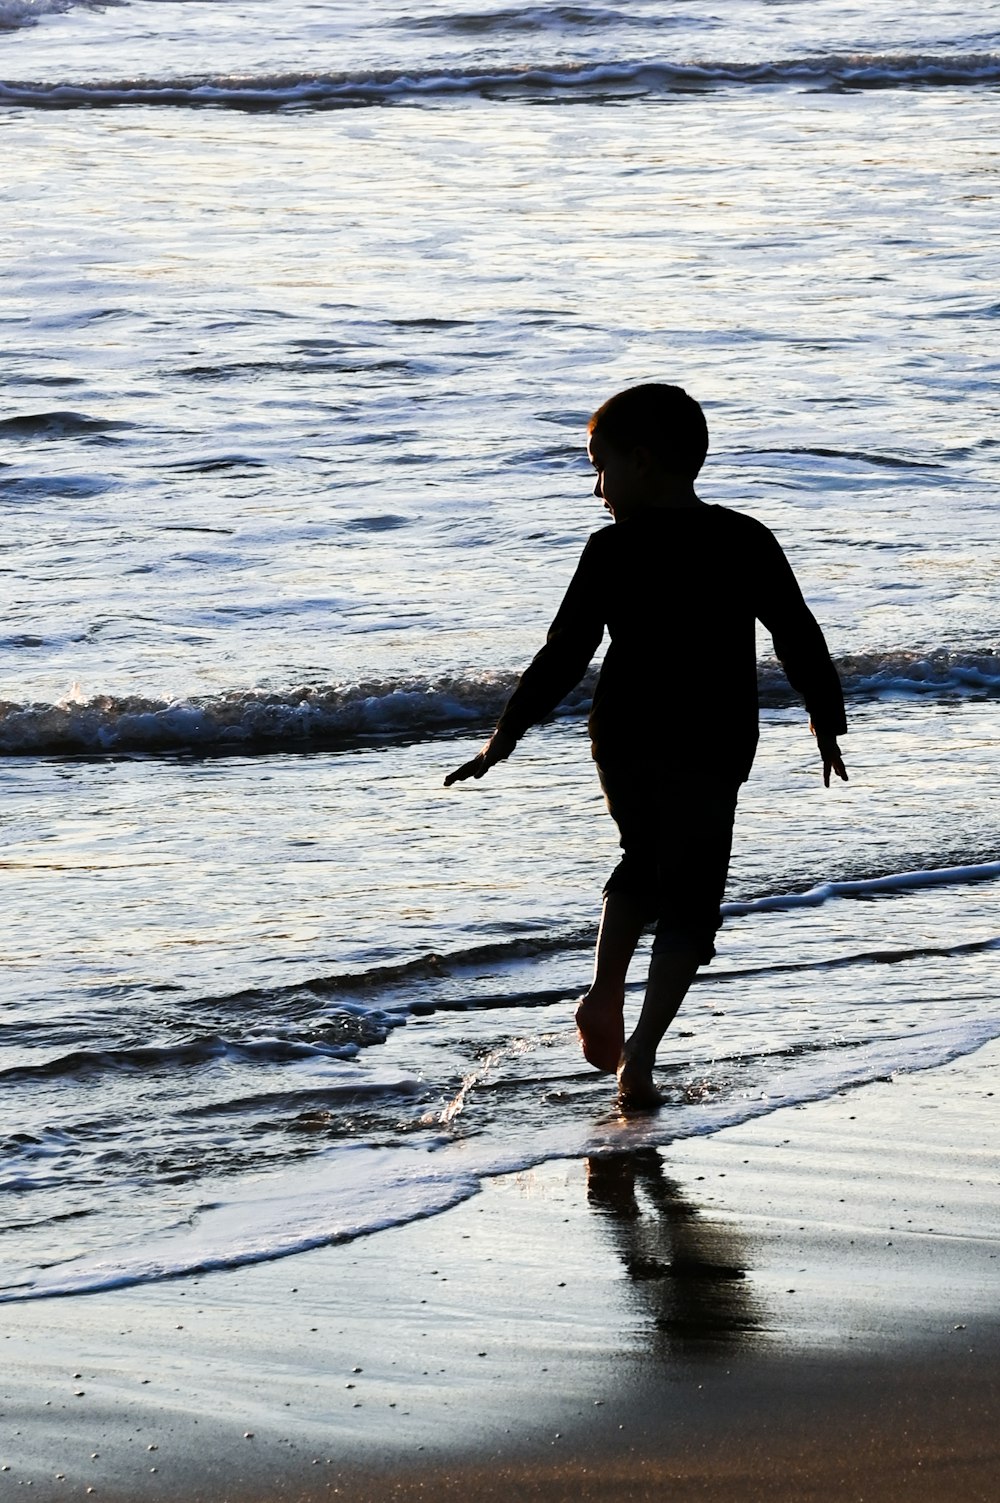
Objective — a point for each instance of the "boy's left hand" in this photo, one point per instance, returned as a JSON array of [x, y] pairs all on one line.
[[497, 749], [832, 760]]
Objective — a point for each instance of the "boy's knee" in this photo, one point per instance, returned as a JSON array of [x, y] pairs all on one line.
[[672, 937]]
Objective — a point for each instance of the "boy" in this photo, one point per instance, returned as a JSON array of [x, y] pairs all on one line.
[[678, 584]]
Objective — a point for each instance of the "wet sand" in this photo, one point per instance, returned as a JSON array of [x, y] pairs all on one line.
[[802, 1308]]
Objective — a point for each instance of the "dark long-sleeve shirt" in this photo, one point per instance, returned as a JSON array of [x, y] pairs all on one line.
[[679, 591]]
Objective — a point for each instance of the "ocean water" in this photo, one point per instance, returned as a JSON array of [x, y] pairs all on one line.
[[304, 313]]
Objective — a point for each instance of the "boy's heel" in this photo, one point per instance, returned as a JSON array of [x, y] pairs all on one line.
[[601, 1026]]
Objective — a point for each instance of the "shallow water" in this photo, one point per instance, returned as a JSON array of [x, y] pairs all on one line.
[[298, 366]]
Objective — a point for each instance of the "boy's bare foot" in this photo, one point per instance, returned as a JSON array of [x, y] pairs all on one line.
[[636, 1091], [601, 1027]]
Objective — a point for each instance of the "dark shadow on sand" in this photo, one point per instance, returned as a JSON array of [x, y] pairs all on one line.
[[688, 1271]]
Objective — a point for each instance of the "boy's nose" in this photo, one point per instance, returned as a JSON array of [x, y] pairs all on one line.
[[597, 489]]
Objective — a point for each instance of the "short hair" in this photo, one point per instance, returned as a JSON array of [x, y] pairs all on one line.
[[658, 417]]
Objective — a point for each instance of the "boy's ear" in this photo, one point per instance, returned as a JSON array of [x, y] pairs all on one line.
[[642, 459]]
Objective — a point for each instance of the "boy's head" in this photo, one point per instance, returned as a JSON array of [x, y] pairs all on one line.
[[660, 419]]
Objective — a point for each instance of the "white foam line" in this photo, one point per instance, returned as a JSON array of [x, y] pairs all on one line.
[[897, 882], [356, 1191]]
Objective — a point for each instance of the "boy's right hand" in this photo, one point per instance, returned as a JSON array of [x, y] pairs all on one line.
[[497, 749], [832, 759]]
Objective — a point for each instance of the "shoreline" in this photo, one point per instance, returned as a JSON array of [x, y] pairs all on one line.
[[802, 1307]]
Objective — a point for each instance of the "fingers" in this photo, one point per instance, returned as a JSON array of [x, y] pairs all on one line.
[[834, 764], [832, 759], [467, 770], [477, 768], [497, 749]]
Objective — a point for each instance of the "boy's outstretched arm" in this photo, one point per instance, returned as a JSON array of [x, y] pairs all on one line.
[[572, 640], [497, 749]]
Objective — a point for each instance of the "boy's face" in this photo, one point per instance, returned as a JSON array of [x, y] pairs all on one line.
[[622, 477]]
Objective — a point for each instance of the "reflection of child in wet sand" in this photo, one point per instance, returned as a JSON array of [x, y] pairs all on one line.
[[678, 584], [689, 1268]]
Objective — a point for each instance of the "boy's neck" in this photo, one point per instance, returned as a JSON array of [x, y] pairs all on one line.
[[670, 493]]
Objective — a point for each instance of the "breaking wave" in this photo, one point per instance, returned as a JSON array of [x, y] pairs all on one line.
[[404, 709], [310, 90]]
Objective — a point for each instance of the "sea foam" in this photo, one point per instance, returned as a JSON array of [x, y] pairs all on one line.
[[404, 708], [354, 1191]]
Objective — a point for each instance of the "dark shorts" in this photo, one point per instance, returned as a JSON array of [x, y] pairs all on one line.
[[676, 835]]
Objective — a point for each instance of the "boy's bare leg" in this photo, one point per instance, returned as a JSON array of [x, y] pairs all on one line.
[[670, 975], [599, 1013]]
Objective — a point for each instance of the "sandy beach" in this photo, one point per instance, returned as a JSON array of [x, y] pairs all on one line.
[[804, 1307]]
